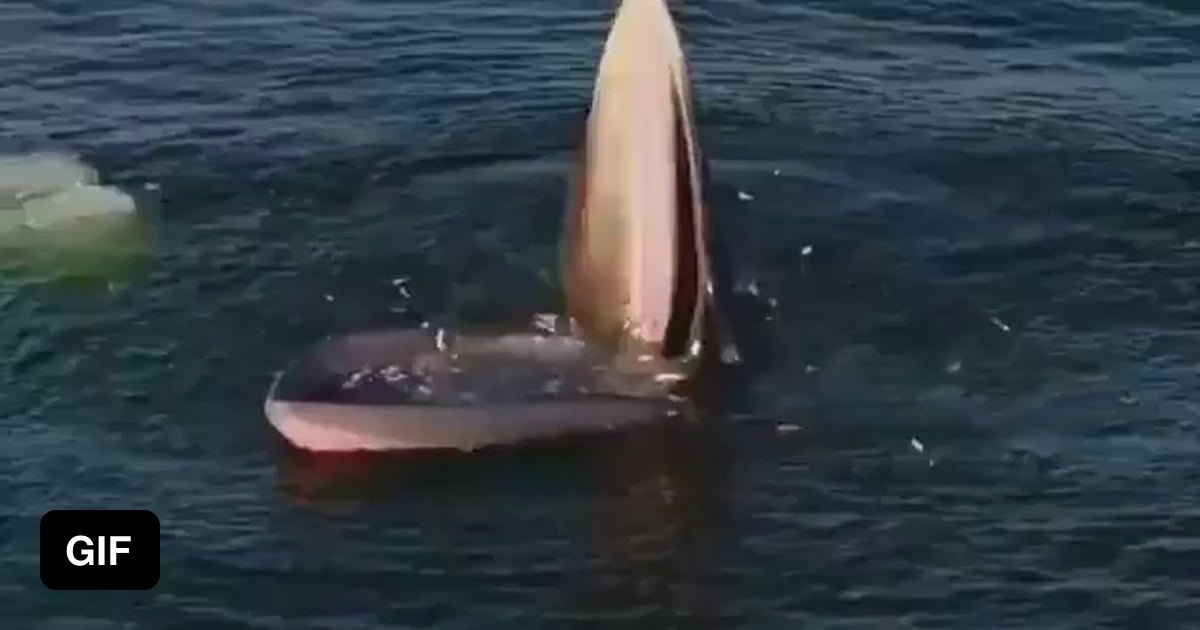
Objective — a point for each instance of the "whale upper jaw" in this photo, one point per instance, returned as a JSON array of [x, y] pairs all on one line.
[[635, 263]]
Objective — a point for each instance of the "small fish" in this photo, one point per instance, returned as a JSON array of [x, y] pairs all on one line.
[[668, 377], [917, 445], [394, 374], [745, 196], [546, 322], [355, 378]]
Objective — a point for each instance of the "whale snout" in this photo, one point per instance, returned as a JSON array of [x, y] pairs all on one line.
[[636, 265]]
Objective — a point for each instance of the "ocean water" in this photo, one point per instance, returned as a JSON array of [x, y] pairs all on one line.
[[977, 221]]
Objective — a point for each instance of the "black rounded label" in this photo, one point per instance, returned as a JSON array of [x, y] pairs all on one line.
[[100, 550]]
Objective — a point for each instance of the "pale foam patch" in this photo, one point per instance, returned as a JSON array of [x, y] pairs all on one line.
[[25, 176], [76, 203], [42, 190]]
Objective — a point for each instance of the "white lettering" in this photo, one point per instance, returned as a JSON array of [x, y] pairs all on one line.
[[114, 545], [87, 552], [87, 556]]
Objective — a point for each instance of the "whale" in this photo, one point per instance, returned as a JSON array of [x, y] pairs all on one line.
[[636, 269]]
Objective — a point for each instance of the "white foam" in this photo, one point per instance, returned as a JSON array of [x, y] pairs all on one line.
[[25, 176], [77, 202], [42, 190]]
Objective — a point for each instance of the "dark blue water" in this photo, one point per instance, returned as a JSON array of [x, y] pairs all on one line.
[[978, 221]]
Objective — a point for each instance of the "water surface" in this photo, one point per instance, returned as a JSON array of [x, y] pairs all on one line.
[[978, 222]]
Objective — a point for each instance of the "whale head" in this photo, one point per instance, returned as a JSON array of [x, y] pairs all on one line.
[[635, 263]]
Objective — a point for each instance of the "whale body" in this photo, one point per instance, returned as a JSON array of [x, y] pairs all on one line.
[[637, 282]]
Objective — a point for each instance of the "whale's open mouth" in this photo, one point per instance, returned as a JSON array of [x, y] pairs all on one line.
[[635, 268], [420, 367], [406, 389]]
